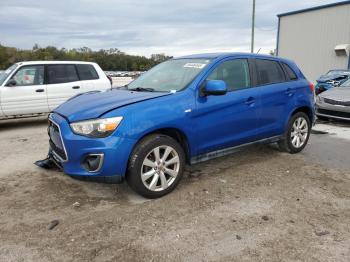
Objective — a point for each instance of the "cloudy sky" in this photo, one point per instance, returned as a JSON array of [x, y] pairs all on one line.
[[144, 27]]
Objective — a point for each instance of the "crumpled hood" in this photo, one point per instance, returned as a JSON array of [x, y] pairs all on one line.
[[325, 78], [94, 104], [337, 93]]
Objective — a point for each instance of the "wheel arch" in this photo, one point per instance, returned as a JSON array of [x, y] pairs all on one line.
[[305, 109], [175, 133]]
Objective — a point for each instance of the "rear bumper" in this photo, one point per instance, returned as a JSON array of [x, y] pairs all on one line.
[[114, 152]]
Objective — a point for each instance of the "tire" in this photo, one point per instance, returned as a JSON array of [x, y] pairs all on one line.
[[154, 176], [289, 141]]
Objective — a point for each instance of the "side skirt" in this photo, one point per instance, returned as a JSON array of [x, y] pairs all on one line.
[[230, 150]]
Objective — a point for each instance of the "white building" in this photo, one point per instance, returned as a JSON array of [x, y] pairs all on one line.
[[317, 39]]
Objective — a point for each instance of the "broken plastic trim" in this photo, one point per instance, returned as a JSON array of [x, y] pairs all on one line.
[[49, 163]]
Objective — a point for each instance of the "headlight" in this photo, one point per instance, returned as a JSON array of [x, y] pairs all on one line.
[[319, 99], [96, 128]]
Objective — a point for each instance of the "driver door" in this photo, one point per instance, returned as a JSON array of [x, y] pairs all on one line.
[[227, 120], [25, 92]]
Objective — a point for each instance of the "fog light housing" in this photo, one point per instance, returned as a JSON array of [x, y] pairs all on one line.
[[92, 162]]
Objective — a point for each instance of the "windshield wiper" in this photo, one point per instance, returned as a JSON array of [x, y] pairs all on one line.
[[140, 89]]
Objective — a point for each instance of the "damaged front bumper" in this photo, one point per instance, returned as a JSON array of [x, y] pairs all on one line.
[[93, 159]]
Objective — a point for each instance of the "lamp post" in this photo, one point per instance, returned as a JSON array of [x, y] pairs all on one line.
[[253, 25]]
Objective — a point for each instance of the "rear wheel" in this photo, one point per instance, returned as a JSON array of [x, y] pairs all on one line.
[[297, 135], [156, 166]]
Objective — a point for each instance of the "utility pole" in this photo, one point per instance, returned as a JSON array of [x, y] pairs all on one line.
[[253, 25]]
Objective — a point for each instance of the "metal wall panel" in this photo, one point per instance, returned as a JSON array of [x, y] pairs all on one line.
[[309, 39]]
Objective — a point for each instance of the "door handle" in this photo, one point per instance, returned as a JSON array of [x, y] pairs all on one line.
[[289, 92], [40, 90], [76, 87], [250, 101]]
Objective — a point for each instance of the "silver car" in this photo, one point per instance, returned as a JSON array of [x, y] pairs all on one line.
[[334, 103]]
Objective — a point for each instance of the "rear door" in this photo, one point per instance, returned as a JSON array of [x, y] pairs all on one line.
[[63, 83], [276, 96], [28, 93], [88, 77], [231, 119]]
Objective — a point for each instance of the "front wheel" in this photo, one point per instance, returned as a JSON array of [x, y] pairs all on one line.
[[297, 134], [156, 166]]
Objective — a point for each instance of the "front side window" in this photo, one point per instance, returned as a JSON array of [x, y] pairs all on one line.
[[269, 72], [62, 74], [169, 76], [29, 75], [87, 72], [235, 73]]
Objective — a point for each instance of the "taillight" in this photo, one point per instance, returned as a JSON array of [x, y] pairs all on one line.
[[312, 88], [110, 79]]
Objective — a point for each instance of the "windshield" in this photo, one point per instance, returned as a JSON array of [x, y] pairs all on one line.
[[346, 83], [6, 73], [170, 76]]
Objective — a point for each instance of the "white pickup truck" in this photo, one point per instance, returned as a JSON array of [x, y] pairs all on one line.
[[32, 88]]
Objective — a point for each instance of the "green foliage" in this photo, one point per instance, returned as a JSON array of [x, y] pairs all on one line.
[[108, 59]]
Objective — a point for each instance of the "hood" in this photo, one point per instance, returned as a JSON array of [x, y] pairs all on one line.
[[337, 93], [94, 104], [339, 77]]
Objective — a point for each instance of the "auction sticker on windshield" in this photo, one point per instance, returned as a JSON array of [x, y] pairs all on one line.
[[195, 65]]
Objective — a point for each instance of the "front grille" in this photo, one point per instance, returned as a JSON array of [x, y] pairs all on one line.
[[336, 102], [55, 141], [334, 113]]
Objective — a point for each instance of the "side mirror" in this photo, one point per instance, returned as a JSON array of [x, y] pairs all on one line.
[[214, 88], [11, 82]]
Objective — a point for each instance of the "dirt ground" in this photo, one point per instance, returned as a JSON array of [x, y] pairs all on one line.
[[255, 205]]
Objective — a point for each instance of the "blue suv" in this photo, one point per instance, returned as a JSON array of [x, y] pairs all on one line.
[[185, 110]]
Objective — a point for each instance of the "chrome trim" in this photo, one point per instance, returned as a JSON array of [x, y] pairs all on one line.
[[64, 147], [229, 150], [102, 157]]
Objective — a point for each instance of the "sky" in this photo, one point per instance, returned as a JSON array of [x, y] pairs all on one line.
[[175, 28]]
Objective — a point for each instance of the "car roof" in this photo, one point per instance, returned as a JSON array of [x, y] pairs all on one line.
[[52, 62], [224, 55]]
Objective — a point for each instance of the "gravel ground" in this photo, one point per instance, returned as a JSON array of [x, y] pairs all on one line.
[[255, 205]]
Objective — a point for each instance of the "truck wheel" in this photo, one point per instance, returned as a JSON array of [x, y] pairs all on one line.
[[297, 134], [156, 166]]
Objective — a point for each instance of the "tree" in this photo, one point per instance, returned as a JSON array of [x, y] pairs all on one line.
[[108, 59]]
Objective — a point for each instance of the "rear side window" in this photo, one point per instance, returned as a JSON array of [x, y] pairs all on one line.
[[269, 72], [289, 71], [87, 72], [235, 73], [62, 74]]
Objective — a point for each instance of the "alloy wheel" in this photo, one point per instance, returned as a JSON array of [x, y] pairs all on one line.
[[160, 168], [299, 132]]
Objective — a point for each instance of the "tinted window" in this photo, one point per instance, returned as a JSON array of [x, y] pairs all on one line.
[[269, 72], [235, 73], [29, 75], [290, 73], [62, 74], [87, 72]]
